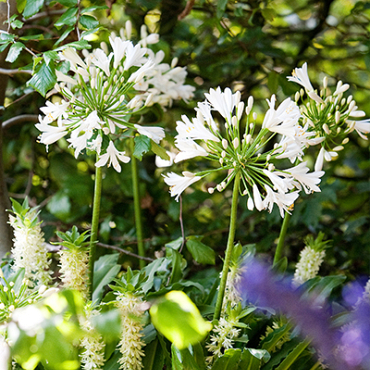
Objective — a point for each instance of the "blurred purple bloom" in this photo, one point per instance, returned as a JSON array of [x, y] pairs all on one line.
[[342, 350]]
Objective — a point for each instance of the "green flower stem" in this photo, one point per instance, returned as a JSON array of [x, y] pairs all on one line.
[[280, 246], [137, 209], [94, 225], [229, 248]]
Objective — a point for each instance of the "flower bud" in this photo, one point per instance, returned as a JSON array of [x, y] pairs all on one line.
[[237, 97], [338, 148], [250, 204], [234, 121], [223, 154], [128, 28], [326, 129], [236, 142], [297, 96], [174, 62], [225, 143], [325, 82], [337, 117], [345, 141], [211, 190], [219, 188], [254, 115]]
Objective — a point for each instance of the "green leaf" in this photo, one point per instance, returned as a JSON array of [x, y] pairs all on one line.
[[228, 361], [179, 320], [142, 145], [4, 46], [161, 152], [32, 7], [67, 19], [290, 359], [221, 6], [176, 273], [270, 341], [108, 324], [59, 205], [182, 359], [113, 363], [251, 359], [175, 244], [39, 36], [49, 56], [44, 78], [154, 356], [105, 270], [6, 36], [68, 3], [88, 21], [64, 35], [92, 8], [20, 5], [200, 252]]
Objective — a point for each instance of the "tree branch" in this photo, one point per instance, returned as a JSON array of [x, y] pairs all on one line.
[[124, 252], [10, 72], [20, 119]]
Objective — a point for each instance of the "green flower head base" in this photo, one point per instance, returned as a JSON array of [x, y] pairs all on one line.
[[328, 117], [238, 148], [103, 91]]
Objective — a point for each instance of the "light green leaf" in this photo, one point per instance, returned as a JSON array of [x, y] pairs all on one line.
[[59, 205], [44, 78], [142, 145], [200, 252], [88, 21], [161, 152], [92, 8], [108, 324], [64, 35], [179, 320], [32, 7], [221, 6], [20, 5]]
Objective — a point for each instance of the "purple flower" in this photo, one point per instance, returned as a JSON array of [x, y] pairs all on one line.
[[344, 349]]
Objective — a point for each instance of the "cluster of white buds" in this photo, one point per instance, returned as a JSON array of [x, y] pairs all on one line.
[[29, 250], [328, 116], [74, 260], [222, 338], [131, 343], [237, 147], [311, 258], [92, 356]]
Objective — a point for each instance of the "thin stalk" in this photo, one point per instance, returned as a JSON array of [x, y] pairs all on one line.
[[280, 246], [137, 209], [229, 248], [94, 225]]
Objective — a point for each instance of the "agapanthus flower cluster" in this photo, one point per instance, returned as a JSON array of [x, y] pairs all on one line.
[[92, 356], [131, 343], [328, 116], [239, 148], [29, 249], [311, 258], [103, 91], [74, 260]]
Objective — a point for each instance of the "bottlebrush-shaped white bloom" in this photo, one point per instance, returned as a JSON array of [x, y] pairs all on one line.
[[308, 266], [131, 343], [92, 344], [179, 183], [74, 269], [29, 250]]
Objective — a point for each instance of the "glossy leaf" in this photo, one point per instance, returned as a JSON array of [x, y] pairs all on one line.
[[179, 320]]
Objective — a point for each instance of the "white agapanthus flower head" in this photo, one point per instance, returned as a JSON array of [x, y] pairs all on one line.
[[236, 145], [328, 118], [101, 92]]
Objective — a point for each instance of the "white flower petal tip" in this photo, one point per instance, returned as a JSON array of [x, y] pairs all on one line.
[[154, 133], [179, 183], [111, 157]]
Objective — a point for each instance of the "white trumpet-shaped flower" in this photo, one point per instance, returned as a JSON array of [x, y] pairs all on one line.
[[111, 157], [179, 183]]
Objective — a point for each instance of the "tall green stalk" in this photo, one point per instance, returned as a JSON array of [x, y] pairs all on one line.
[[94, 225], [280, 246], [229, 248], [137, 208]]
